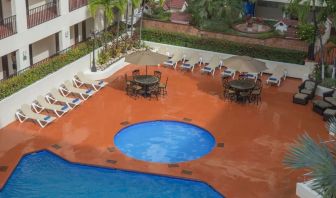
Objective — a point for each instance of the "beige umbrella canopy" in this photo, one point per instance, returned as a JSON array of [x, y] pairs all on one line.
[[146, 58], [245, 64]]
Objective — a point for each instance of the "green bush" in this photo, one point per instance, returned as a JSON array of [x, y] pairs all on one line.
[[256, 51], [159, 13]]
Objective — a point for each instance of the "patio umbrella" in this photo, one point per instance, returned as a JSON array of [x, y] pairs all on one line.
[[245, 64], [146, 58]]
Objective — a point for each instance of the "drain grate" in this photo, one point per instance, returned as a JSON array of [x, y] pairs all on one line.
[[173, 165], [56, 146], [111, 161], [187, 119], [3, 168], [124, 123], [186, 172], [111, 149], [220, 145]]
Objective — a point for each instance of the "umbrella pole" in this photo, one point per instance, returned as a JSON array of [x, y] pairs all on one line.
[[146, 70]]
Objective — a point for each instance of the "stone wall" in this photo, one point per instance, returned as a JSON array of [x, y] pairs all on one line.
[[190, 30]]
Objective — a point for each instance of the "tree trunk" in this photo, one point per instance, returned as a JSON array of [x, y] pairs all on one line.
[[118, 28], [322, 57], [311, 49], [126, 19], [132, 21]]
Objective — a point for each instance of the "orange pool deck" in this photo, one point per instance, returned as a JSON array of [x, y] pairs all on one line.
[[255, 137]]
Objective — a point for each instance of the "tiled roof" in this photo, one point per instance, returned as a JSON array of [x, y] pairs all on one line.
[[174, 4]]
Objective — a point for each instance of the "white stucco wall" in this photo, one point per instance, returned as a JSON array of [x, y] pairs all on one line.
[[303, 190], [24, 38]]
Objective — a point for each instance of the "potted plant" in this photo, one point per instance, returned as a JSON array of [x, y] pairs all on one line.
[[319, 158]]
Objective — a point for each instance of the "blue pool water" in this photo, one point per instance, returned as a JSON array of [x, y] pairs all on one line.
[[164, 141], [46, 175]]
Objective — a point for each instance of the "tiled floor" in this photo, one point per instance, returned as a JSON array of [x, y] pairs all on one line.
[[252, 139]]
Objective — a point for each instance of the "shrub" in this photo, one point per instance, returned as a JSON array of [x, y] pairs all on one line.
[[256, 51]]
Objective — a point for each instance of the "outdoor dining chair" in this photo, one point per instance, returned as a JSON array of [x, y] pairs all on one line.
[[157, 74], [136, 72], [163, 87]]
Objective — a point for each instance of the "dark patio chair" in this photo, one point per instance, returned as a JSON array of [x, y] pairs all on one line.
[[134, 89], [154, 90], [127, 83], [256, 95], [330, 97], [308, 87], [136, 72], [157, 74], [228, 92], [163, 87]]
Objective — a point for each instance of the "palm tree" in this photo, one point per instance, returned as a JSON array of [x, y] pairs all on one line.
[[135, 4], [120, 8], [106, 6], [318, 158]]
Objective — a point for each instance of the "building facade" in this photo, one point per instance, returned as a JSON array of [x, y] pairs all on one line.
[[33, 30]]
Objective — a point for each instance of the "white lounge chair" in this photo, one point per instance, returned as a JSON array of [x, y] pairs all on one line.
[[229, 73], [68, 88], [25, 113], [41, 104], [214, 63], [172, 62], [80, 79], [191, 62], [253, 76], [55, 96], [278, 74]]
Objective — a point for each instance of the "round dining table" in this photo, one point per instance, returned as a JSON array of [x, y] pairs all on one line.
[[242, 84], [146, 81]]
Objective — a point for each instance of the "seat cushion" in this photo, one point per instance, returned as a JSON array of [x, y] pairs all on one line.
[[330, 112], [322, 104], [331, 100], [309, 85], [301, 96], [306, 91]]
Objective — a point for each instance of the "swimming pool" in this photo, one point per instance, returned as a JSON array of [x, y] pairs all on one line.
[[164, 141], [45, 175]]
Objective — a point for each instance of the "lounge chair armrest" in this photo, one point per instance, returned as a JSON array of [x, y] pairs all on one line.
[[64, 91], [50, 99], [37, 107]]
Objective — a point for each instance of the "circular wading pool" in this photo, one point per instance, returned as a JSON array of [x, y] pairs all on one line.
[[164, 141]]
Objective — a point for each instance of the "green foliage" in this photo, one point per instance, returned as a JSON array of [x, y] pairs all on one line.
[[32, 75], [332, 39], [319, 159], [158, 13], [217, 45], [329, 83], [103, 57], [306, 32], [202, 10]]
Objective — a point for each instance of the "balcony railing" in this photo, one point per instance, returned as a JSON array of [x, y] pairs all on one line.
[[42, 13], [75, 4], [7, 27]]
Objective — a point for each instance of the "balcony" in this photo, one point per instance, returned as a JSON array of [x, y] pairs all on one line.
[[7, 26], [42, 14], [75, 4]]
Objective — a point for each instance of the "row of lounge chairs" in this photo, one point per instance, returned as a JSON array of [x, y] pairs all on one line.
[[58, 102], [189, 60]]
